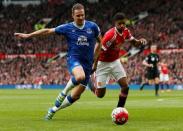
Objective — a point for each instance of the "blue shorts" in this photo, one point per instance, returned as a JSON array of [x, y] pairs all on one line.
[[72, 62]]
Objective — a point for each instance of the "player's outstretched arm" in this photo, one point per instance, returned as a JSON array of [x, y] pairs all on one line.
[[41, 32], [139, 42]]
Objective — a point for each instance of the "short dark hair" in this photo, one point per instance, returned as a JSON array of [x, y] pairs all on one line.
[[77, 6], [119, 16]]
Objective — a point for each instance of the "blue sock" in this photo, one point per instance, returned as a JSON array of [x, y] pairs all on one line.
[[70, 99], [57, 102], [67, 102]]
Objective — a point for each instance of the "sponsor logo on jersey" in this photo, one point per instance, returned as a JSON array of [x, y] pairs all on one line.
[[82, 40]]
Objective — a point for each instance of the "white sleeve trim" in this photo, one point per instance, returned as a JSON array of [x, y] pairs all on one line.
[[104, 48]]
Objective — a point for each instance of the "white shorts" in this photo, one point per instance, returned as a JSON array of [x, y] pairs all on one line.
[[106, 70], [164, 77]]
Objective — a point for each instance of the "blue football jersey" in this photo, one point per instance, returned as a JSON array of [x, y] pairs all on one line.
[[81, 41]]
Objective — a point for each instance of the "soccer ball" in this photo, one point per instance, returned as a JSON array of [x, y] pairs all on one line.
[[119, 116]]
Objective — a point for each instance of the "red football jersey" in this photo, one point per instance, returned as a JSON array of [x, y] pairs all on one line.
[[111, 43], [164, 69]]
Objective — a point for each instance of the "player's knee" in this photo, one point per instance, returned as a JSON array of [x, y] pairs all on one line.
[[80, 78], [126, 87], [123, 82], [100, 93]]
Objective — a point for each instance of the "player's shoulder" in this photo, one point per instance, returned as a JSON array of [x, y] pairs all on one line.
[[70, 24], [90, 23], [110, 32], [126, 30]]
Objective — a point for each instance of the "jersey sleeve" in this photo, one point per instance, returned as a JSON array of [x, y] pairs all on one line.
[[61, 29], [128, 35], [107, 40], [96, 30]]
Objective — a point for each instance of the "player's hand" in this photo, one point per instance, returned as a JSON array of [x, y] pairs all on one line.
[[124, 60], [94, 67], [21, 35], [150, 65], [143, 41]]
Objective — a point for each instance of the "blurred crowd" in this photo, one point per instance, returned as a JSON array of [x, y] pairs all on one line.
[[33, 71], [163, 26]]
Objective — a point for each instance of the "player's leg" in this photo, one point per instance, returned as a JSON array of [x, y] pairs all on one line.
[[156, 86], [100, 89], [149, 77], [77, 91], [78, 77], [102, 77], [74, 96], [145, 83], [124, 92], [162, 82], [156, 80], [153, 76], [69, 100], [119, 74], [92, 83], [151, 81], [167, 83]]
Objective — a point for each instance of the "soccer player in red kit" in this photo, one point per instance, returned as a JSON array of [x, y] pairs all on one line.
[[109, 60], [164, 77]]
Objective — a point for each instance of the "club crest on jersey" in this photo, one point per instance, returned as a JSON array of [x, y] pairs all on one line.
[[82, 40], [89, 31], [108, 43]]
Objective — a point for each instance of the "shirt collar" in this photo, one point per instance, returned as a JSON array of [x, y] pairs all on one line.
[[79, 27]]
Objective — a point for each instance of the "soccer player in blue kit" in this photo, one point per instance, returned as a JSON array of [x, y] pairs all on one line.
[[81, 36]]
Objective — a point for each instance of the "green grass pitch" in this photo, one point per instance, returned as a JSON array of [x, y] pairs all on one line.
[[24, 110]]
